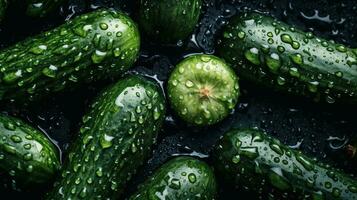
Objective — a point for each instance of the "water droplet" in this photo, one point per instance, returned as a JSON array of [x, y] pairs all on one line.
[[281, 49], [27, 146], [103, 26], [175, 184], [9, 148], [241, 35], [297, 59], [98, 56], [305, 162], [106, 141], [294, 72], [99, 172], [189, 84], [313, 86], [16, 139], [10, 126], [273, 62], [276, 148], [286, 38], [236, 159], [116, 52], [253, 55], [281, 81], [50, 71], [339, 74], [192, 178], [38, 49]]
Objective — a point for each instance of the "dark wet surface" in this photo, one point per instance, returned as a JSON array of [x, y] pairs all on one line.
[[317, 130]]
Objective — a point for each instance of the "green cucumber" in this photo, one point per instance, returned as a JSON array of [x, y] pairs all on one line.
[[115, 139], [28, 159], [169, 20], [253, 160], [181, 178], [203, 90], [41, 8], [97, 45], [3, 8], [269, 52]]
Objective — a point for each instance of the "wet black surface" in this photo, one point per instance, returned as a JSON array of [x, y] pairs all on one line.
[[317, 130]]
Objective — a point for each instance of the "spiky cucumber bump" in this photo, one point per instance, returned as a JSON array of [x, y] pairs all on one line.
[[114, 141], [180, 178], [28, 159], [203, 89]]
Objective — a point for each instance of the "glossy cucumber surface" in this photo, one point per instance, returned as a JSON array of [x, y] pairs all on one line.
[[97, 45], [271, 53], [28, 159], [115, 139], [168, 21], [181, 178], [261, 164], [41, 8]]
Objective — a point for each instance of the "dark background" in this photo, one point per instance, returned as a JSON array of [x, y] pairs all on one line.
[[317, 130]]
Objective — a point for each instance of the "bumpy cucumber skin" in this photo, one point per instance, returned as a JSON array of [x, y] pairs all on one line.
[[192, 75], [115, 139], [259, 163], [3, 7], [269, 52], [41, 8], [97, 45], [181, 178], [28, 159], [169, 20]]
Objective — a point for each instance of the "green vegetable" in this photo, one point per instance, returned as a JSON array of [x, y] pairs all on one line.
[[259, 163], [269, 52], [97, 45], [115, 139], [181, 178], [41, 8], [28, 159], [3, 7], [203, 89], [169, 20]]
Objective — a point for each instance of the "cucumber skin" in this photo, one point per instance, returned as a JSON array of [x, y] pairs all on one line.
[[28, 159], [73, 56], [321, 78], [164, 21], [206, 70], [183, 188], [98, 168], [47, 6], [3, 7], [239, 165]]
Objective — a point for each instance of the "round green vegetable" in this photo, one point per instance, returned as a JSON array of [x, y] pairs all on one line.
[[181, 178], [263, 165], [271, 53], [169, 20], [28, 159], [40, 8], [203, 90], [97, 45]]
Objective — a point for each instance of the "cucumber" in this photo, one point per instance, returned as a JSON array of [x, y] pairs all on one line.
[[168, 21], [115, 139], [28, 159], [203, 90], [97, 45], [261, 164], [3, 7], [41, 8], [269, 52], [181, 178]]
